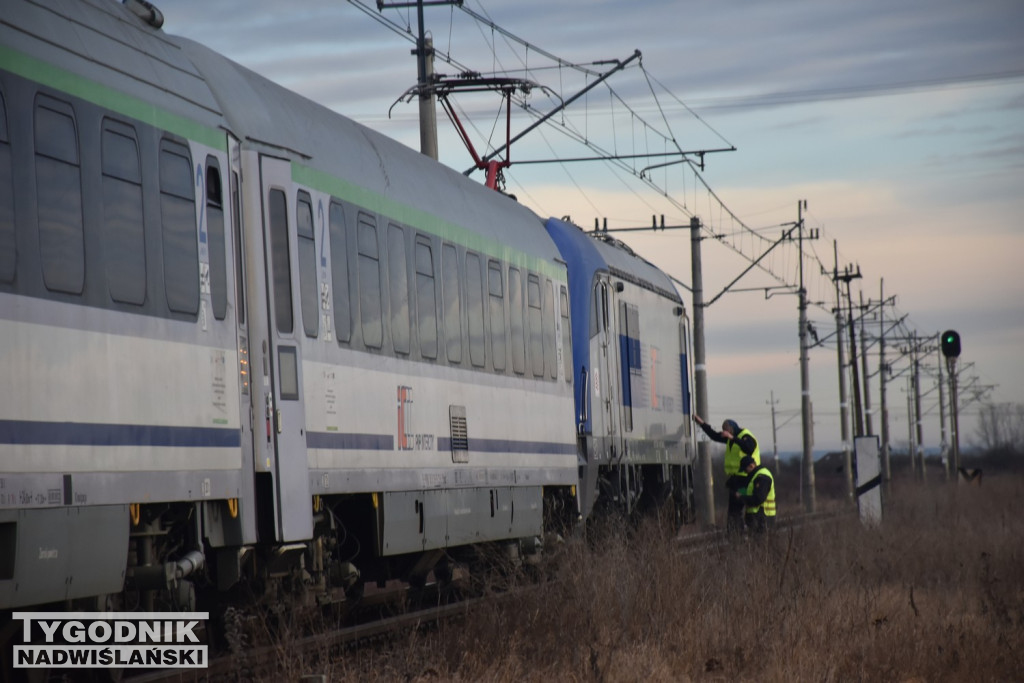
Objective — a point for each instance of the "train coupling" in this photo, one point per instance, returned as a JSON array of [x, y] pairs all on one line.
[[167, 575]]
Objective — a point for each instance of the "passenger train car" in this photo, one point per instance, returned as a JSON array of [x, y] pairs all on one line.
[[247, 340]]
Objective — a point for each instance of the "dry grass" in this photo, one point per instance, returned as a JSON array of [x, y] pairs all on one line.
[[936, 593]]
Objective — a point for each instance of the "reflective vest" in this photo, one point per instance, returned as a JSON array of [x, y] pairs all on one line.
[[769, 503], [733, 454]]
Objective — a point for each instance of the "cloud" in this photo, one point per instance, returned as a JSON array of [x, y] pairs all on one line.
[[872, 111]]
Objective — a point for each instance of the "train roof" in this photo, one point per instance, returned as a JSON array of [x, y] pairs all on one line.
[[592, 252], [271, 117], [104, 53]]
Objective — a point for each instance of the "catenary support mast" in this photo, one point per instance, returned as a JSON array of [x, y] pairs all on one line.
[[883, 375], [844, 402], [807, 487], [424, 53], [705, 480]]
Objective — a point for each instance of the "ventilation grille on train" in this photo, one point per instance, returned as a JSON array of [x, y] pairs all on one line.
[[460, 436]]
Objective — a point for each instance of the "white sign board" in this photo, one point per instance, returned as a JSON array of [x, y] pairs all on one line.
[[869, 479]]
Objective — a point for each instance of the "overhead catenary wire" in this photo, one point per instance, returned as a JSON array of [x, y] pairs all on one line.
[[719, 220], [566, 126]]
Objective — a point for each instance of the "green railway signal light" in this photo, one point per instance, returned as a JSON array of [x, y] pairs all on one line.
[[950, 344]]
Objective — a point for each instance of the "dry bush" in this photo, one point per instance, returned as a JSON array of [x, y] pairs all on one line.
[[935, 593]]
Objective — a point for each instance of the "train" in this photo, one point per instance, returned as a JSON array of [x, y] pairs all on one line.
[[248, 342]]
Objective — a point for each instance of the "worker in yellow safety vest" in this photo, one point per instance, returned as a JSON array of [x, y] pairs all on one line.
[[738, 442], [759, 496]]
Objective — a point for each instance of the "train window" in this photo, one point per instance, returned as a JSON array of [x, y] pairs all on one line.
[[475, 309], [309, 297], [124, 241], [426, 298], [548, 315], [633, 332], [8, 252], [451, 302], [236, 227], [684, 371], [280, 261], [536, 322], [398, 265], [516, 326], [178, 221], [496, 299], [629, 358], [602, 306], [59, 197], [369, 283], [288, 365], [563, 308], [339, 274], [215, 238]]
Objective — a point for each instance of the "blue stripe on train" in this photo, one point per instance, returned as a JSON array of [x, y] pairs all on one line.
[[339, 441], [36, 433], [511, 446], [385, 442]]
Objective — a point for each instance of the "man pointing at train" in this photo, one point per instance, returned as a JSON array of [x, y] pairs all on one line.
[[738, 442]]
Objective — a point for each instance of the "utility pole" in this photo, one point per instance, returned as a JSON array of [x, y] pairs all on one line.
[[705, 491], [944, 447], [911, 445], [846, 276], [807, 486], [917, 408], [844, 405], [424, 54], [775, 442], [428, 107], [858, 414], [864, 368], [883, 371]]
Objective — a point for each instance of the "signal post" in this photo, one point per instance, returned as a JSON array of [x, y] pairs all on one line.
[[950, 344]]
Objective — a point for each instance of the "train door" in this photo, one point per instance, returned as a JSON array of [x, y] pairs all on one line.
[[604, 365], [246, 422], [285, 454]]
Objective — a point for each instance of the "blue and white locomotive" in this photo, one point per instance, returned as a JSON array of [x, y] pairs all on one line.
[[245, 339], [630, 341]]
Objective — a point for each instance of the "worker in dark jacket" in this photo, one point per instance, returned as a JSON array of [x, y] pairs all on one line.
[[738, 443], [758, 498]]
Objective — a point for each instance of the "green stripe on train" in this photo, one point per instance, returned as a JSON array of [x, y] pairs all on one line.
[[127, 105], [421, 220], [104, 96]]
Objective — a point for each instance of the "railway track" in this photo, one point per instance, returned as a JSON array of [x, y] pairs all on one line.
[[264, 661], [708, 540]]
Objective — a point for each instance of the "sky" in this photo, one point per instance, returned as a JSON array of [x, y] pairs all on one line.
[[900, 124]]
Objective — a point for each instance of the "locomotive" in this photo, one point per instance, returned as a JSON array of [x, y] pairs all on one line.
[[245, 340]]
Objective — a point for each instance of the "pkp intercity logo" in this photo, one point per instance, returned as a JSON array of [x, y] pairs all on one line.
[[94, 640]]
